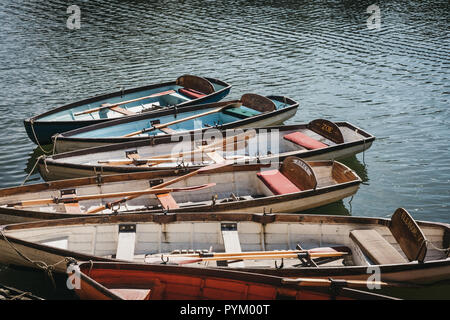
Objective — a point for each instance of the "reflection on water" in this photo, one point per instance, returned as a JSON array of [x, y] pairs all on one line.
[[337, 208], [358, 166]]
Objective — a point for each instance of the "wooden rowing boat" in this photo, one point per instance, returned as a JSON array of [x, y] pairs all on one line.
[[387, 250], [126, 281], [185, 91], [318, 140], [251, 110], [291, 186]]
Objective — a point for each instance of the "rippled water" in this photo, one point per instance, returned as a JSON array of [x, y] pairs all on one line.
[[393, 82]]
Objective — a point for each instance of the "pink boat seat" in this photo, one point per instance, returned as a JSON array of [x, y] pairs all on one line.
[[305, 141], [277, 182], [191, 93]]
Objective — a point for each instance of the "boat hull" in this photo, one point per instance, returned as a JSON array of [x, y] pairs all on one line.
[[256, 231]]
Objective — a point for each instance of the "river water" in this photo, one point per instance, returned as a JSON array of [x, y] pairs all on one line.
[[386, 71]]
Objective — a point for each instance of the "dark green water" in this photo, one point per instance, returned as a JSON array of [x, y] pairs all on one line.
[[393, 82]]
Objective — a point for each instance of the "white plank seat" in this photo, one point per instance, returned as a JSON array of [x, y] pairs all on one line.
[[231, 242], [376, 248], [126, 242]]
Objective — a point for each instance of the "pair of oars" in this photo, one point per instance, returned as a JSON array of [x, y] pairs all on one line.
[[223, 144], [250, 255], [138, 193], [165, 125], [111, 105], [164, 184]]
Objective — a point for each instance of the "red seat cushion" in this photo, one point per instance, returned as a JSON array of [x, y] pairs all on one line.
[[191, 93], [304, 141], [277, 182]]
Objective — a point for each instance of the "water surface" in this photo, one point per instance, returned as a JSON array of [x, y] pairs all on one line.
[[393, 82]]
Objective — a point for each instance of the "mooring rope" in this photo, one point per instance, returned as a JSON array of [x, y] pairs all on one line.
[[445, 250], [36, 139], [48, 269], [34, 167], [54, 144]]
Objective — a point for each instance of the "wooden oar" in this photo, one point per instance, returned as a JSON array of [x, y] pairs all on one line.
[[110, 105], [173, 157], [108, 195], [242, 256], [253, 253], [167, 183], [164, 125], [306, 282], [154, 161]]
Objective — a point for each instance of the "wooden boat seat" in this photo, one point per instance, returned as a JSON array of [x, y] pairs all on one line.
[[305, 141], [72, 207], [167, 130], [231, 242], [191, 93], [167, 201], [241, 112], [216, 157], [132, 294], [126, 242], [122, 111], [277, 182], [374, 246]]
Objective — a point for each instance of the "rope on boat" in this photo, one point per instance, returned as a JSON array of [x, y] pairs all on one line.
[[54, 144], [48, 269], [445, 250], [34, 167], [20, 295], [36, 139]]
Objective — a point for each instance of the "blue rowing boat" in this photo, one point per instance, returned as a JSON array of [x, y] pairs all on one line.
[[249, 111], [185, 91]]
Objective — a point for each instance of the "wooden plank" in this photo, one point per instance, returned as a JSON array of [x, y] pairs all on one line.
[[122, 111], [168, 130], [167, 201], [126, 243], [231, 242], [73, 207], [376, 247], [216, 157], [132, 294]]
